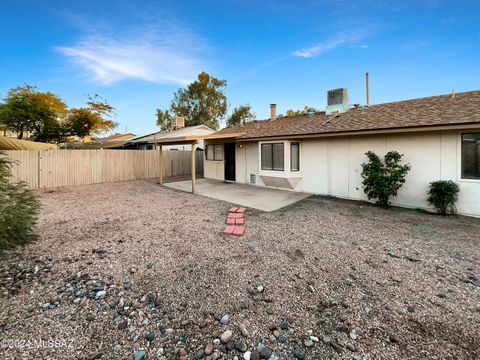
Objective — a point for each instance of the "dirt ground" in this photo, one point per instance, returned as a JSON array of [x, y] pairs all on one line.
[[135, 270]]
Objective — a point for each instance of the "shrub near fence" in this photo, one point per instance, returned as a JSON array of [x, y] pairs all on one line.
[[52, 168]]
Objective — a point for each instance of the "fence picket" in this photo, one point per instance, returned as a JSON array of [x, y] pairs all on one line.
[[53, 168]]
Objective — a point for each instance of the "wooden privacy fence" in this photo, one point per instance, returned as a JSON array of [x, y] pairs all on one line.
[[52, 168]]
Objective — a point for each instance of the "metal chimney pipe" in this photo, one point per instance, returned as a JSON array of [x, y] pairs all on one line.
[[273, 111], [367, 88]]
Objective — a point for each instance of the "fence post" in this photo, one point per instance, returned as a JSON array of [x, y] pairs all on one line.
[[39, 159]]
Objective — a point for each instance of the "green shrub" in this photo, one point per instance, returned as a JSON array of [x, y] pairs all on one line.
[[18, 210], [382, 180], [443, 194]]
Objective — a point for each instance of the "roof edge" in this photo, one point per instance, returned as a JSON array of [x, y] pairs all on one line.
[[425, 128]]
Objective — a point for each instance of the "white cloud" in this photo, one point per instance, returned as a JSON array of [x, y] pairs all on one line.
[[332, 43], [160, 54]]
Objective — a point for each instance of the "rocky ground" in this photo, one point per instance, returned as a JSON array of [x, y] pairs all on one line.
[[131, 271]]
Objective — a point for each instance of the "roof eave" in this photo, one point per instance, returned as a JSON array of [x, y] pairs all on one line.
[[426, 128]]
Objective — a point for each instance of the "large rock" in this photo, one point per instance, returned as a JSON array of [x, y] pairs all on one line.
[[208, 349], [226, 336]]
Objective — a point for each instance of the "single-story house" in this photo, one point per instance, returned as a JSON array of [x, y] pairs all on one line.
[[322, 152]]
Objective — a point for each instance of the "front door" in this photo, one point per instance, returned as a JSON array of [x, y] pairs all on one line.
[[229, 151]]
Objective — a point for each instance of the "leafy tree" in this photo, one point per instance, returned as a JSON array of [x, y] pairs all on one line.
[[383, 180], [27, 109], [92, 119], [18, 210], [164, 119], [443, 194], [48, 118], [241, 114], [291, 112], [201, 102]]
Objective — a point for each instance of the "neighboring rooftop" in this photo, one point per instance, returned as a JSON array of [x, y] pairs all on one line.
[[7, 143], [109, 142], [122, 141], [455, 108], [198, 129]]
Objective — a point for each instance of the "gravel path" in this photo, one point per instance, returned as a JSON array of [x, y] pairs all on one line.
[[132, 270]]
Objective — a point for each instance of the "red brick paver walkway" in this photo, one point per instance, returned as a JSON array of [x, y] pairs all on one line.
[[235, 221]]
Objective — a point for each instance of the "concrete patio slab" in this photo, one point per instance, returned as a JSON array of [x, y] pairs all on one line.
[[256, 197]]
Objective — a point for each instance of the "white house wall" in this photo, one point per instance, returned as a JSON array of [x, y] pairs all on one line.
[[247, 162], [433, 156], [332, 166], [213, 169]]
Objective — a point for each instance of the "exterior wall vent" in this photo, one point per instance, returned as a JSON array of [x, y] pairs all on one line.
[[253, 179]]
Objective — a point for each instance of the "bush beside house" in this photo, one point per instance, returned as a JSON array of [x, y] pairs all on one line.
[[443, 195], [382, 180]]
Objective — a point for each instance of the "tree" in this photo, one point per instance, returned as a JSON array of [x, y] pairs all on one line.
[[27, 109], [92, 119], [201, 102], [48, 118], [241, 114], [18, 210], [291, 112], [164, 119], [383, 180]]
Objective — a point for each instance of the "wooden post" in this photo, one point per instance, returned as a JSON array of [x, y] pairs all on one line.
[[161, 165], [193, 167]]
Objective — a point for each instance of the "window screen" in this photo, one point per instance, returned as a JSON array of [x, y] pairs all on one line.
[[209, 152], [471, 156], [218, 152], [278, 157], [295, 156], [214, 152], [272, 156], [266, 156]]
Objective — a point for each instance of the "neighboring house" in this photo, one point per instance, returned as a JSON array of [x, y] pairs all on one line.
[[116, 141], [13, 134], [7, 143], [145, 142], [322, 153]]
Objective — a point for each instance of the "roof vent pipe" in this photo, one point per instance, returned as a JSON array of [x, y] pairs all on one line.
[[273, 111]]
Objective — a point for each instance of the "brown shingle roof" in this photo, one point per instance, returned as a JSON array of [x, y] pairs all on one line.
[[462, 108]]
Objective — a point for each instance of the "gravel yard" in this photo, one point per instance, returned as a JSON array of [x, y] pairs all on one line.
[[132, 269]]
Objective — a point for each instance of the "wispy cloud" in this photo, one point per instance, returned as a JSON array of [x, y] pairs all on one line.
[[344, 38], [165, 53]]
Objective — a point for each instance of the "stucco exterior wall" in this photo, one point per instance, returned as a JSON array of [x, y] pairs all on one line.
[[433, 156], [247, 162], [213, 169], [332, 166]]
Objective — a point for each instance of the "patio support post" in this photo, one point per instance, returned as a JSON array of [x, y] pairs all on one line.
[[161, 165], [193, 167]]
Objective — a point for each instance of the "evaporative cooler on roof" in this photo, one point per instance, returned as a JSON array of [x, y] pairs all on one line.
[[337, 96], [337, 101]]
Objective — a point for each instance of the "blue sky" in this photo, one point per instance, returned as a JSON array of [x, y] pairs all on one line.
[[137, 53]]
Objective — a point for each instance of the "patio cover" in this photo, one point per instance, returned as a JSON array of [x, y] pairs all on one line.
[[190, 140]]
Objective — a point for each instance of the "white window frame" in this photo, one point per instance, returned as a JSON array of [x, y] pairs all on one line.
[[273, 143], [460, 177], [287, 172], [299, 164]]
